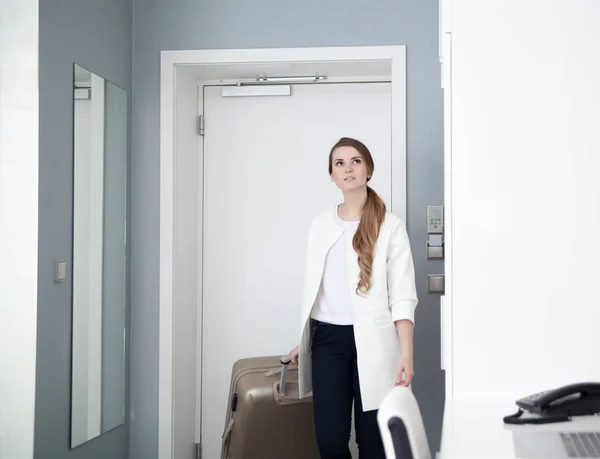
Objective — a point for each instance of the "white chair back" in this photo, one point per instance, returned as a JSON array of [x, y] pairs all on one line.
[[401, 426]]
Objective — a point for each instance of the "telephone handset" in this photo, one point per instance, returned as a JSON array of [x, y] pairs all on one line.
[[558, 405]]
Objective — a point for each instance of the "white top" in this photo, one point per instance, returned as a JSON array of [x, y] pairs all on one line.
[[333, 300]]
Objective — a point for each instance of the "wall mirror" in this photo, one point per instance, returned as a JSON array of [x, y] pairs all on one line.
[[99, 256]]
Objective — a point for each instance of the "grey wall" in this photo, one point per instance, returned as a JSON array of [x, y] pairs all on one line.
[[98, 36], [205, 24]]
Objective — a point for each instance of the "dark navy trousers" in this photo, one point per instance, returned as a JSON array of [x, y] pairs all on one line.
[[335, 388]]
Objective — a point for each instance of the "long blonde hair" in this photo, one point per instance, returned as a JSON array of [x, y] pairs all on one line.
[[373, 214]]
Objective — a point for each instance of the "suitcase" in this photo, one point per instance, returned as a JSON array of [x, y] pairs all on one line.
[[265, 418]]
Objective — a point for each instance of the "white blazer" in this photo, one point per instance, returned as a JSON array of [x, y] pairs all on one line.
[[392, 297]]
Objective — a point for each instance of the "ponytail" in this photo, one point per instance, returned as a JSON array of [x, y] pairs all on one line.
[[366, 235]]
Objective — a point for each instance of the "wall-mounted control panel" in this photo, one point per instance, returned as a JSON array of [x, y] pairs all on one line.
[[435, 219], [435, 230], [435, 246]]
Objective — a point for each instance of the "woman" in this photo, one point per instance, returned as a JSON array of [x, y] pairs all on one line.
[[358, 307]]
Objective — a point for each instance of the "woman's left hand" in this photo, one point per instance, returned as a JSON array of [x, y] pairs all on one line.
[[406, 367]]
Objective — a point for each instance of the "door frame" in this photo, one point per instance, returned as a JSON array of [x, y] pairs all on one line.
[[170, 61]]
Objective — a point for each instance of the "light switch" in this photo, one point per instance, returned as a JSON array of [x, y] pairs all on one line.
[[435, 283], [60, 270], [435, 253]]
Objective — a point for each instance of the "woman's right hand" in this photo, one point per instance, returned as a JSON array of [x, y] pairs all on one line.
[[294, 355]]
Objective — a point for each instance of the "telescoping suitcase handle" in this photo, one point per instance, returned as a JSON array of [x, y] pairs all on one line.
[[285, 361]]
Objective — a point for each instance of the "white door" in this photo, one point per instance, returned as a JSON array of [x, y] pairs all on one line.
[[265, 177]]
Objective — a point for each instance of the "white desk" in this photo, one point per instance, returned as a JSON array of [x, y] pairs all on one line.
[[473, 429]]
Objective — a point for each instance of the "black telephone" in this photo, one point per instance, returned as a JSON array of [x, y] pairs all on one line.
[[558, 405]]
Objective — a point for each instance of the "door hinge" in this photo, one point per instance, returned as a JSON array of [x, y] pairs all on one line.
[[198, 451], [200, 124]]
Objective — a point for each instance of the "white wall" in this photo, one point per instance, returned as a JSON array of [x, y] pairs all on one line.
[[18, 224], [525, 194]]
